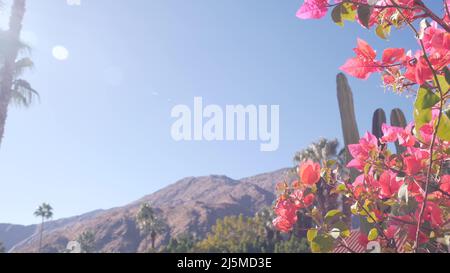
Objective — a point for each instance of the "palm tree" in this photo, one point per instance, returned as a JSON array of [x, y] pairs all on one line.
[[12, 88], [149, 224], [45, 211], [319, 151]]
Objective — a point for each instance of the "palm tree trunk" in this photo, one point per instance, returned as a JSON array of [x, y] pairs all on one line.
[[40, 235], [7, 73]]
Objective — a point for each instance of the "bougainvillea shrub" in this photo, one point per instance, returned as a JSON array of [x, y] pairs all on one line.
[[398, 198]]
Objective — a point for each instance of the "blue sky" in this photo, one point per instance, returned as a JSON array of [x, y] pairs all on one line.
[[100, 136]]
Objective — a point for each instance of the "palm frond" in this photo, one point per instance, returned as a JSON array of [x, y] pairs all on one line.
[[23, 94], [44, 211], [23, 64]]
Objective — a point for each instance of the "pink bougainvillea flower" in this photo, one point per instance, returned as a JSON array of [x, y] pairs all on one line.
[[391, 231], [411, 235], [309, 172], [426, 132], [415, 160], [308, 200], [390, 133], [282, 224], [369, 142], [286, 208], [405, 137], [364, 64], [360, 152], [388, 184], [432, 214], [388, 79], [302, 201], [445, 184], [297, 197], [440, 59], [359, 156], [435, 39], [412, 165], [358, 187], [286, 212], [414, 189], [417, 69], [313, 9], [392, 56]]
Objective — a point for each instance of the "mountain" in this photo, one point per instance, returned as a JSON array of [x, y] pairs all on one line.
[[192, 204]]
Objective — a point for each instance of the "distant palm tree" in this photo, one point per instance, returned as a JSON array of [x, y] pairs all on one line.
[[45, 211], [12, 88], [149, 224], [319, 151]]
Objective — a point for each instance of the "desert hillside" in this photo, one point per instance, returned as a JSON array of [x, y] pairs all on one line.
[[192, 204]]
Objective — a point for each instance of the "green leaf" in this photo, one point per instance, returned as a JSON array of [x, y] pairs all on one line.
[[383, 31], [421, 117], [444, 127], [372, 217], [311, 235], [443, 83], [336, 15], [345, 233], [323, 244], [348, 12], [426, 99], [364, 13], [343, 228], [447, 75], [332, 214], [373, 234], [422, 107], [315, 247], [341, 188]]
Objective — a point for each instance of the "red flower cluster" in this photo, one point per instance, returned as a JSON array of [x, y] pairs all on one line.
[[398, 67], [296, 197]]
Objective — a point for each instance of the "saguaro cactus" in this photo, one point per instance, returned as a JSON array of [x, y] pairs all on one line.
[[379, 117], [398, 119], [347, 109], [350, 131]]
